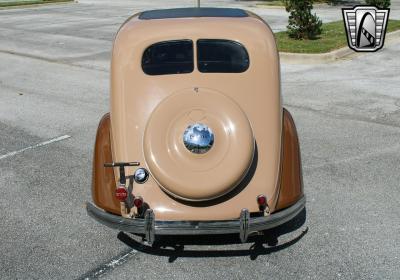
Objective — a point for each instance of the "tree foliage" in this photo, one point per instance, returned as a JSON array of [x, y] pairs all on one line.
[[379, 3], [302, 23]]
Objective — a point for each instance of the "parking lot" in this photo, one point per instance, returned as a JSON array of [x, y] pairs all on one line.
[[54, 88]]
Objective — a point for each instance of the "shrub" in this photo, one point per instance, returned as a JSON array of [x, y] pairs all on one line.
[[302, 23], [379, 3]]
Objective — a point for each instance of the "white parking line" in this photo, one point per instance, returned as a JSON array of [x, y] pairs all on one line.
[[110, 265], [35, 146]]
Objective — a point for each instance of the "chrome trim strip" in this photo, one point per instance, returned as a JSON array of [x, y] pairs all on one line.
[[150, 226]]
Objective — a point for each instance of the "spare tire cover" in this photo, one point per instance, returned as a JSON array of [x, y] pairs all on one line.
[[198, 176]]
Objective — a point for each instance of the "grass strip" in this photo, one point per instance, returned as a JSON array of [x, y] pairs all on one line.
[[333, 37], [29, 2]]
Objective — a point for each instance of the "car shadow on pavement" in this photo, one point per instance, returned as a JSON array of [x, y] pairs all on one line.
[[173, 247]]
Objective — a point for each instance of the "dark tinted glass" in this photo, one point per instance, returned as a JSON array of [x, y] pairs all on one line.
[[193, 12], [221, 56], [169, 57]]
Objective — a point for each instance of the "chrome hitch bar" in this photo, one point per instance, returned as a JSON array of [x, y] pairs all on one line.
[[121, 165]]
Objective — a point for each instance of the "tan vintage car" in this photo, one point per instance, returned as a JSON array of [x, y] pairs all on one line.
[[196, 141]]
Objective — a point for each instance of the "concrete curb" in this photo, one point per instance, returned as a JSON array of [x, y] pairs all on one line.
[[341, 53], [264, 6]]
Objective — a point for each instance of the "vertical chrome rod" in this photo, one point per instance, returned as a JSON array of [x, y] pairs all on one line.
[[198, 3]]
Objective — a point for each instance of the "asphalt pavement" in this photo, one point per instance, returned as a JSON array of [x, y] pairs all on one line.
[[54, 86]]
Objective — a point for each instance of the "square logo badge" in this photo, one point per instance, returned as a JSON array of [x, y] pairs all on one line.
[[365, 27]]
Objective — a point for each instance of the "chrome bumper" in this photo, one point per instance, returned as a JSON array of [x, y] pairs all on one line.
[[150, 227]]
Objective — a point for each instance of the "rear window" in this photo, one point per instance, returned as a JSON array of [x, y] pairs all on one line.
[[221, 56], [168, 57]]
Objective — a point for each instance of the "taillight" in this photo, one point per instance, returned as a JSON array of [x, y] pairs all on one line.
[[262, 201], [121, 193], [138, 202]]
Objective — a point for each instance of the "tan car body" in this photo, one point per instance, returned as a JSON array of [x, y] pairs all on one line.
[[256, 154]]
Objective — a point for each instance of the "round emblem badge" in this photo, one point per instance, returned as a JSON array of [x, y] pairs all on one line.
[[198, 138]]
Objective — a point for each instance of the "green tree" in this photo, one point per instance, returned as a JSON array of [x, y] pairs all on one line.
[[302, 23], [379, 3]]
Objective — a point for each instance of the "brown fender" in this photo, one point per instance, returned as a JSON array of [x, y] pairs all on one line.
[[103, 182], [291, 178]]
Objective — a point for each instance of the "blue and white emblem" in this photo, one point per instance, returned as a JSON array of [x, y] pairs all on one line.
[[198, 138]]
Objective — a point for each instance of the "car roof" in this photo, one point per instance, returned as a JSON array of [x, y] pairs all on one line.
[[193, 12]]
